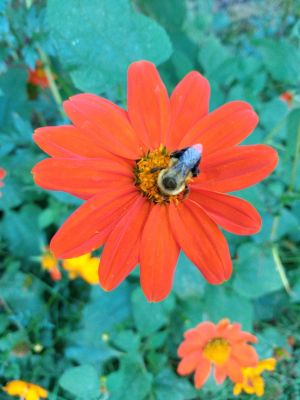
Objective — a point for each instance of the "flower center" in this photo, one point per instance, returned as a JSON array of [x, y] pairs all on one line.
[[147, 174], [217, 350]]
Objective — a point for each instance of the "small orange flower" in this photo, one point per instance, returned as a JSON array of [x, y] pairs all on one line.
[[38, 76], [85, 267], [137, 170], [222, 346], [26, 391], [252, 382], [288, 97], [50, 263], [2, 175]]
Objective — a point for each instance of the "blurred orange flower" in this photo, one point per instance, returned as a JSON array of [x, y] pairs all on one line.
[[287, 97], [85, 267], [38, 76], [252, 382], [50, 263], [115, 160], [222, 346], [2, 175], [26, 391]]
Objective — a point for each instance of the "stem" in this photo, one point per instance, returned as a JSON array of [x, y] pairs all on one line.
[[295, 162], [52, 85], [280, 269]]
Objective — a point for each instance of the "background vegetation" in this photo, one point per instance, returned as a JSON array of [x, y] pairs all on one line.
[[72, 338]]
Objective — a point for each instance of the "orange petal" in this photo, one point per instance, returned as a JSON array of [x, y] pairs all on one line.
[[85, 176], [201, 240], [225, 127], [189, 363], [148, 104], [245, 355], [68, 142], [2, 173], [236, 168], [233, 370], [220, 374], [88, 227], [231, 213], [106, 123], [189, 103], [122, 248], [202, 373], [159, 254]]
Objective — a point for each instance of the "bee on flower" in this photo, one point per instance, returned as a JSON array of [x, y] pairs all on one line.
[[154, 179], [25, 390]]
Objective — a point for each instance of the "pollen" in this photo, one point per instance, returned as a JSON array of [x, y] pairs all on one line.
[[146, 173], [217, 350]]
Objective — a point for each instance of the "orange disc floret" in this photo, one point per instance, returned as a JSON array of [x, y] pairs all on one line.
[[26, 390], [115, 160], [222, 347]]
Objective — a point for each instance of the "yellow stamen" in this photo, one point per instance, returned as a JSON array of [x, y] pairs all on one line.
[[146, 179], [217, 350]]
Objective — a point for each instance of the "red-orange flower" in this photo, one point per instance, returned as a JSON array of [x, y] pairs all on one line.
[[222, 346], [38, 76], [2, 175], [113, 158], [288, 97]]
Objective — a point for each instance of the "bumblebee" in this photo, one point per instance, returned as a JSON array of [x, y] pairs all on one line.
[[184, 164]]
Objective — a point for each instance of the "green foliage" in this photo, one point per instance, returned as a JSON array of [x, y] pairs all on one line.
[[97, 40], [78, 341]]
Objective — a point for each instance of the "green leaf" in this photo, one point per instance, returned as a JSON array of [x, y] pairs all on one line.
[[98, 39], [168, 385], [131, 381], [126, 340], [21, 231], [293, 132], [82, 382], [149, 317], [223, 302], [100, 316], [281, 59], [188, 281], [256, 273]]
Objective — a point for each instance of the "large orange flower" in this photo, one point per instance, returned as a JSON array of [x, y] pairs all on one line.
[[223, 346], [112, 158]]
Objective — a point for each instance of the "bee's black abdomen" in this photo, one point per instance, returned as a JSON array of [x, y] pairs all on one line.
[[169, 183]]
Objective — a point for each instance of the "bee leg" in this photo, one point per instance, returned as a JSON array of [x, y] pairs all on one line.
[[185, 192], [155, 169]]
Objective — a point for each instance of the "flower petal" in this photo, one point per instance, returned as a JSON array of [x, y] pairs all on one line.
[[122, 248], [220, 374], [201, 240], [245, 355], [189, 363], [88, 227], [189, 103], [233, 370], [202, 373], [105, 123], [227, 126], [159, 254], [148, 104], [84, 176], [67, 141], [236, 168], [231, 213]]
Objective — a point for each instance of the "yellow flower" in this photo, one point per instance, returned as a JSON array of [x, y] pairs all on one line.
[[253, 382], [85, 267], [50, 263], [26, 391]]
